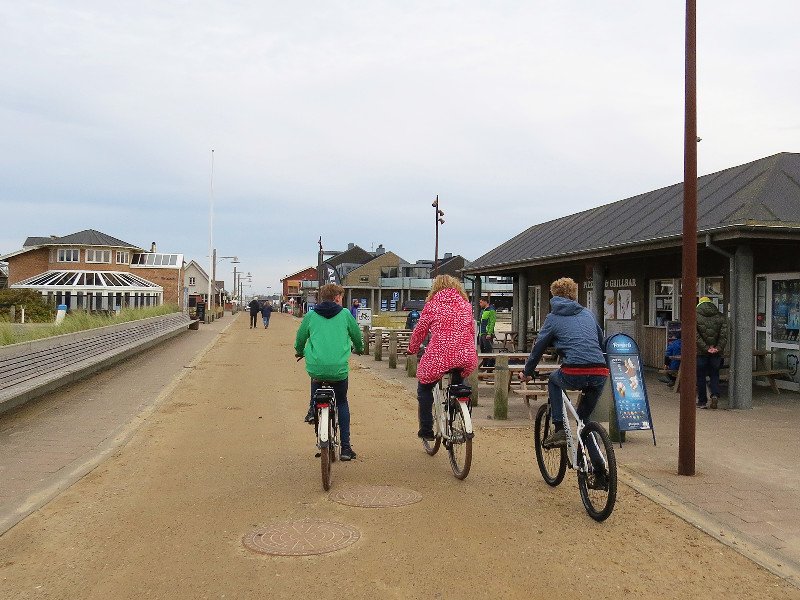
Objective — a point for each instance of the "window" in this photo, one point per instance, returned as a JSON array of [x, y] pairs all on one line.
[[123, 258], [662, 301], [192, 280], [69, 255], [98, 256], [388, 271]]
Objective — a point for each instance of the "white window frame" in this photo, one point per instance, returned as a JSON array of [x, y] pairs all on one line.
[[123, 257], [96, 256], [192, 281], [74, 255]]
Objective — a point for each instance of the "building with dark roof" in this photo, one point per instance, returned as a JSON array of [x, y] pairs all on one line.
[[748, 221], [90, 270]]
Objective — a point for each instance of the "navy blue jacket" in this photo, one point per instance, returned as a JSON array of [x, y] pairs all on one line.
[[573, 331]]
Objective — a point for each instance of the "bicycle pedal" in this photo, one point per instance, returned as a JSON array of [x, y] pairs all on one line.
[[318, 454]]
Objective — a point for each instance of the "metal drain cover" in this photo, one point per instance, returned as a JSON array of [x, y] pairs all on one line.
[[376, 496], [301, 538]]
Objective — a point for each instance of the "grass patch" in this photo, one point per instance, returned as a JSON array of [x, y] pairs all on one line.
[[11, 333]]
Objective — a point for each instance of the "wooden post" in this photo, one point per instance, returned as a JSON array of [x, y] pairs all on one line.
[[502, 380], [393, 349], [411, 365], [365, 335], [472, 381], [378, 344]]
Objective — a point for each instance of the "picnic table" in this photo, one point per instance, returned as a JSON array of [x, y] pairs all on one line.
[[770, 374]]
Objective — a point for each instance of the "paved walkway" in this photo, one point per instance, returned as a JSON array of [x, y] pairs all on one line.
[[49, 443], [746, 490]]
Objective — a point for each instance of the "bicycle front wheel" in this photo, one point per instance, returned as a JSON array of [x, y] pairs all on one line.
[[459, 446], [327, 451], [597, 483], [552, 461]]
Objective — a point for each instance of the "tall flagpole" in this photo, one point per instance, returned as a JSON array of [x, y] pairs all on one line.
[[210, 301]]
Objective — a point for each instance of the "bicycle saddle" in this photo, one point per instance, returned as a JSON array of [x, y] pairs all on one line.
[[460, 390]]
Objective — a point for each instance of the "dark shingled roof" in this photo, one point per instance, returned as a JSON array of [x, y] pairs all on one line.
[[763, 192], [87, 237]]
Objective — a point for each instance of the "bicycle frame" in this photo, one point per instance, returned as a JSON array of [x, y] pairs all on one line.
[[325, 406], [440, 421], [572, 446]]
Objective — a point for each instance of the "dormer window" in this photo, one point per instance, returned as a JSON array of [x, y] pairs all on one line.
[[123, 258]]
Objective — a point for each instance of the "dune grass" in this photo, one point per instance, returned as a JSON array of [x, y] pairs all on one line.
[[11, 333]]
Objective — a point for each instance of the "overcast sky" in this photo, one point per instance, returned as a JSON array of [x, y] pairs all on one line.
[[345, 119]]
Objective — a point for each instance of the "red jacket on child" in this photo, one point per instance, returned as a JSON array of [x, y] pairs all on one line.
[[448, 319]]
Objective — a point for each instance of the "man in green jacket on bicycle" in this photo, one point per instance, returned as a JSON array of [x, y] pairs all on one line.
[[324, 339]]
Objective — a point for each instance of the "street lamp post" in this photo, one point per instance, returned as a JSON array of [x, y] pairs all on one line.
[[438, 214], [235, 261]]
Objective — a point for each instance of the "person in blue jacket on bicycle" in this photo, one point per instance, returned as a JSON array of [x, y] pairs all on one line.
[[578, 338]]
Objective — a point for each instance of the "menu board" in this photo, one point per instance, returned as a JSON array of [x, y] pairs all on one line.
[[627, 384]]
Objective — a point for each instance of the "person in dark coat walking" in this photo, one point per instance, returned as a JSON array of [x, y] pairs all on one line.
[[712, 338], [255, 309], [266, 313]]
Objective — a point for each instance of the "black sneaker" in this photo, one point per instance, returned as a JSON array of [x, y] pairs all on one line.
[[702, 405], [426, 435], [557, 439], [598, 480], [347, 454], [309, 418]]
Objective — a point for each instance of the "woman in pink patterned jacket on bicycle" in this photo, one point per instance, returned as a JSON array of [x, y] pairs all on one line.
[[447, 319]]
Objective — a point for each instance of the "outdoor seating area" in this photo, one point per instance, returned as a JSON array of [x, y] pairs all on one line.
[[761, 371]]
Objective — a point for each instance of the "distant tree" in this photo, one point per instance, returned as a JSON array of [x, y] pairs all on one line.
[[36, 308]]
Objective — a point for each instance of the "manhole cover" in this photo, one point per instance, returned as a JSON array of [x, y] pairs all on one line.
[[376, 496], [301, 538]]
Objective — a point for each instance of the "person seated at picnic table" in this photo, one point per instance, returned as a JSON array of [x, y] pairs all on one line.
[[671, 363]]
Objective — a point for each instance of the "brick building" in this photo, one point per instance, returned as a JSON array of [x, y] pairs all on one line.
[[90, 270]]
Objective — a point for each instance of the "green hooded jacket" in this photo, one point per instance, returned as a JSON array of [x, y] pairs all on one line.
[[324, 339]]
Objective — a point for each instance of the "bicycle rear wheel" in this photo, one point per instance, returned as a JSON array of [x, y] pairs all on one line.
[[552, 461], [432, 446], [598, 487], [325, 422], [459, 446]]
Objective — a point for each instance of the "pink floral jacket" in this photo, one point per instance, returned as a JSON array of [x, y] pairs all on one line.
[[448, 318]]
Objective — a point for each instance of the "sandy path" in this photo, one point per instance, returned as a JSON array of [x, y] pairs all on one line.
[[227, 452]]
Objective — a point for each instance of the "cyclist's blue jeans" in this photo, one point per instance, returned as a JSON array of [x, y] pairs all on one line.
[[342, 407], [707, 366], [592, 386]]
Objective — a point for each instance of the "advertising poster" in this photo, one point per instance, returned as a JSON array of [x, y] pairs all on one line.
[[627, 384], [608, 304], [624, 304]]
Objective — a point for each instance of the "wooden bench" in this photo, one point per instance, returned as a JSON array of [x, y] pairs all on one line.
[[772, 375]]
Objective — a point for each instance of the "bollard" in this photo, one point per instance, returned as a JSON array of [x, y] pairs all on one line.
[[61, 313], [472, 381], [379, 345], [393, 349], [365, 336], [502, 380], [411, 365]]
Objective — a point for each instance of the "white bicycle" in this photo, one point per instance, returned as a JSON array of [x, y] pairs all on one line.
[[598, 486], [327, 430], [452, 424]]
